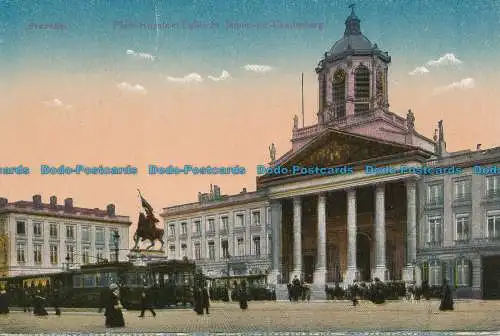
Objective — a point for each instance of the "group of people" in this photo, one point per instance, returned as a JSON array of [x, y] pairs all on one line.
[[376, 292], [201, 297], [298, 289], [32, 297]]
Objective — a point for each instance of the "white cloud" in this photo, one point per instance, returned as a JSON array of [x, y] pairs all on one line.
[[446, 59], [225, 75], [57, 103], [257, 68], [464, 84], [419, 71], [132, 88], [192, 77], [141, 55]]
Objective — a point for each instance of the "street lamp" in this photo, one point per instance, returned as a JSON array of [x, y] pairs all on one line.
[[116, 238], [68, 258]]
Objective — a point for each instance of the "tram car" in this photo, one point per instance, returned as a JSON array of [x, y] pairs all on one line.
[[170, 284]]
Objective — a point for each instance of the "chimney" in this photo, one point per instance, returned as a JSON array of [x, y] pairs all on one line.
[[110, 209], [53, 201], [478, 147], [68, 204], [3, 202], [37, 201]]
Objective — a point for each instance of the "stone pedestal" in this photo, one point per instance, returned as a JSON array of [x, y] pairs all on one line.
[[143, 257], [319, 277], [408, 273], [380, 272], [273, 277]]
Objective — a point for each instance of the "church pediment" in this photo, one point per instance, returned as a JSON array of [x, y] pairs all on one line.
[[335, 148]]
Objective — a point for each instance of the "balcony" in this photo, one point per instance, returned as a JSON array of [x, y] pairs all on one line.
[[210, 232], [461, 241], [196, 234], [462, 200], [223, 232], [434, 203], [433, 244], [171, 238], [492, 195]]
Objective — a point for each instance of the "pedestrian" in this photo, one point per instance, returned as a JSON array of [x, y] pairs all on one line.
[[4, 301], [289, 287], [39, 303], [378, 292], [205, 300], [114, 315], [26, 298], [55, 299], [446, 297], [296, 288], [198, 301], [146, 302], [354, 293], [243, 295]]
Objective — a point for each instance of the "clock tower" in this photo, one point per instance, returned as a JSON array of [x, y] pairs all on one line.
[[352, 76]]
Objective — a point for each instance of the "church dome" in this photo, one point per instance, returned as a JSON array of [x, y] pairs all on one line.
[[353, 40]]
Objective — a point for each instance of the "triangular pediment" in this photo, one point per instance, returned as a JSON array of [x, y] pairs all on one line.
[[334, 148]]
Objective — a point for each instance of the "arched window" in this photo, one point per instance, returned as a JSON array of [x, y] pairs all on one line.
[[380, 85], [463, 272], [339, 93], [362, 89]]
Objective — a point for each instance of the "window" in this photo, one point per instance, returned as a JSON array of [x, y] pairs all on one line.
[[113, 233], [256, 246], [463, 272], [21, 227], [462, 227], [240, 220], [256, 218], [225, 224], [183, 228], [493, 186], [54, 257], [184, 251], [53, 230], [171, 252], [434, 237], [462, 190], [493, 225], [211, 225], [211, 250], [435, 274], [339, 93], [171, 230], [197, 251], [225, 249], [241, 247], [70, 232], [269, 244], [37, 254], [197, 226], [21, 253], [99, 254], [99, 235], [362, 89], [70, 252], [380, 84], [86, 255], [85, 233], [37, 229], [435, 194], [268, 216]]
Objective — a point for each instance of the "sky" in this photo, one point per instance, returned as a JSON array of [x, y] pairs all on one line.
[[142, 82]]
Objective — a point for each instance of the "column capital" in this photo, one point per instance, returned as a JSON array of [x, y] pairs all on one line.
[[322, 195], [297, 200], [411, 182], [350, 191]]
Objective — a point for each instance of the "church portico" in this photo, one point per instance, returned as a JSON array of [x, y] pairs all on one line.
[[348, 234]]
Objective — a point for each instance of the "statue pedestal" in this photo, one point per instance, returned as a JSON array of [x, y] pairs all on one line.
[[144, 257]]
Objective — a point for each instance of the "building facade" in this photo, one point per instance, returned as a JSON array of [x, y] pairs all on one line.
[[361, 194], [39, 238]]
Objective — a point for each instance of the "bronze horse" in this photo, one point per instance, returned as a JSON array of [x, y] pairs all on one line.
[[147, 230]]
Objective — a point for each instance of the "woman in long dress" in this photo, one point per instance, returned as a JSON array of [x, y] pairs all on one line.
[[4, 301], [114, 315], [446, 298], [39, 303]]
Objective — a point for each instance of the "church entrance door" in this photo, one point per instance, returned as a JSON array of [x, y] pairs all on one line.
[[363, 256]]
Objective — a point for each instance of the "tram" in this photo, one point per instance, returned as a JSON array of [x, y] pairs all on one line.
[[170, 282]]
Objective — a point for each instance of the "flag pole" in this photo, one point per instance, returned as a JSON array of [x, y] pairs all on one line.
[[302, 92]]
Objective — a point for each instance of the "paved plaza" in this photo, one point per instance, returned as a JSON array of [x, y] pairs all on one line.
[[276, 316]]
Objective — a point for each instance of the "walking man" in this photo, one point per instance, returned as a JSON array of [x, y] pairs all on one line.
[[145, 302]]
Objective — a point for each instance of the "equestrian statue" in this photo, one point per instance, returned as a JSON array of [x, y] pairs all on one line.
[[146, 227]]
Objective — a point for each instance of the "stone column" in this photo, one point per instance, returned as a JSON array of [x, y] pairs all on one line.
[[351, 272], [297, 238], [380, 262], [411, 230], [320, 271], [276, 226]]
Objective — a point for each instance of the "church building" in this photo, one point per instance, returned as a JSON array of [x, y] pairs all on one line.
[[358, 219]]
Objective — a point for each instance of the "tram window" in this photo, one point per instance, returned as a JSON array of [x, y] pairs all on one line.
[[88, 280], [77, 281]]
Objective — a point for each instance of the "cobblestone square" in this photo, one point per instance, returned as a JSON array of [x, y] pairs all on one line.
[[276, 316]]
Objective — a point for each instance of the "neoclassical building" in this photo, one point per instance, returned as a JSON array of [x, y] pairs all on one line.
[[360, 194], [39, 238]]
